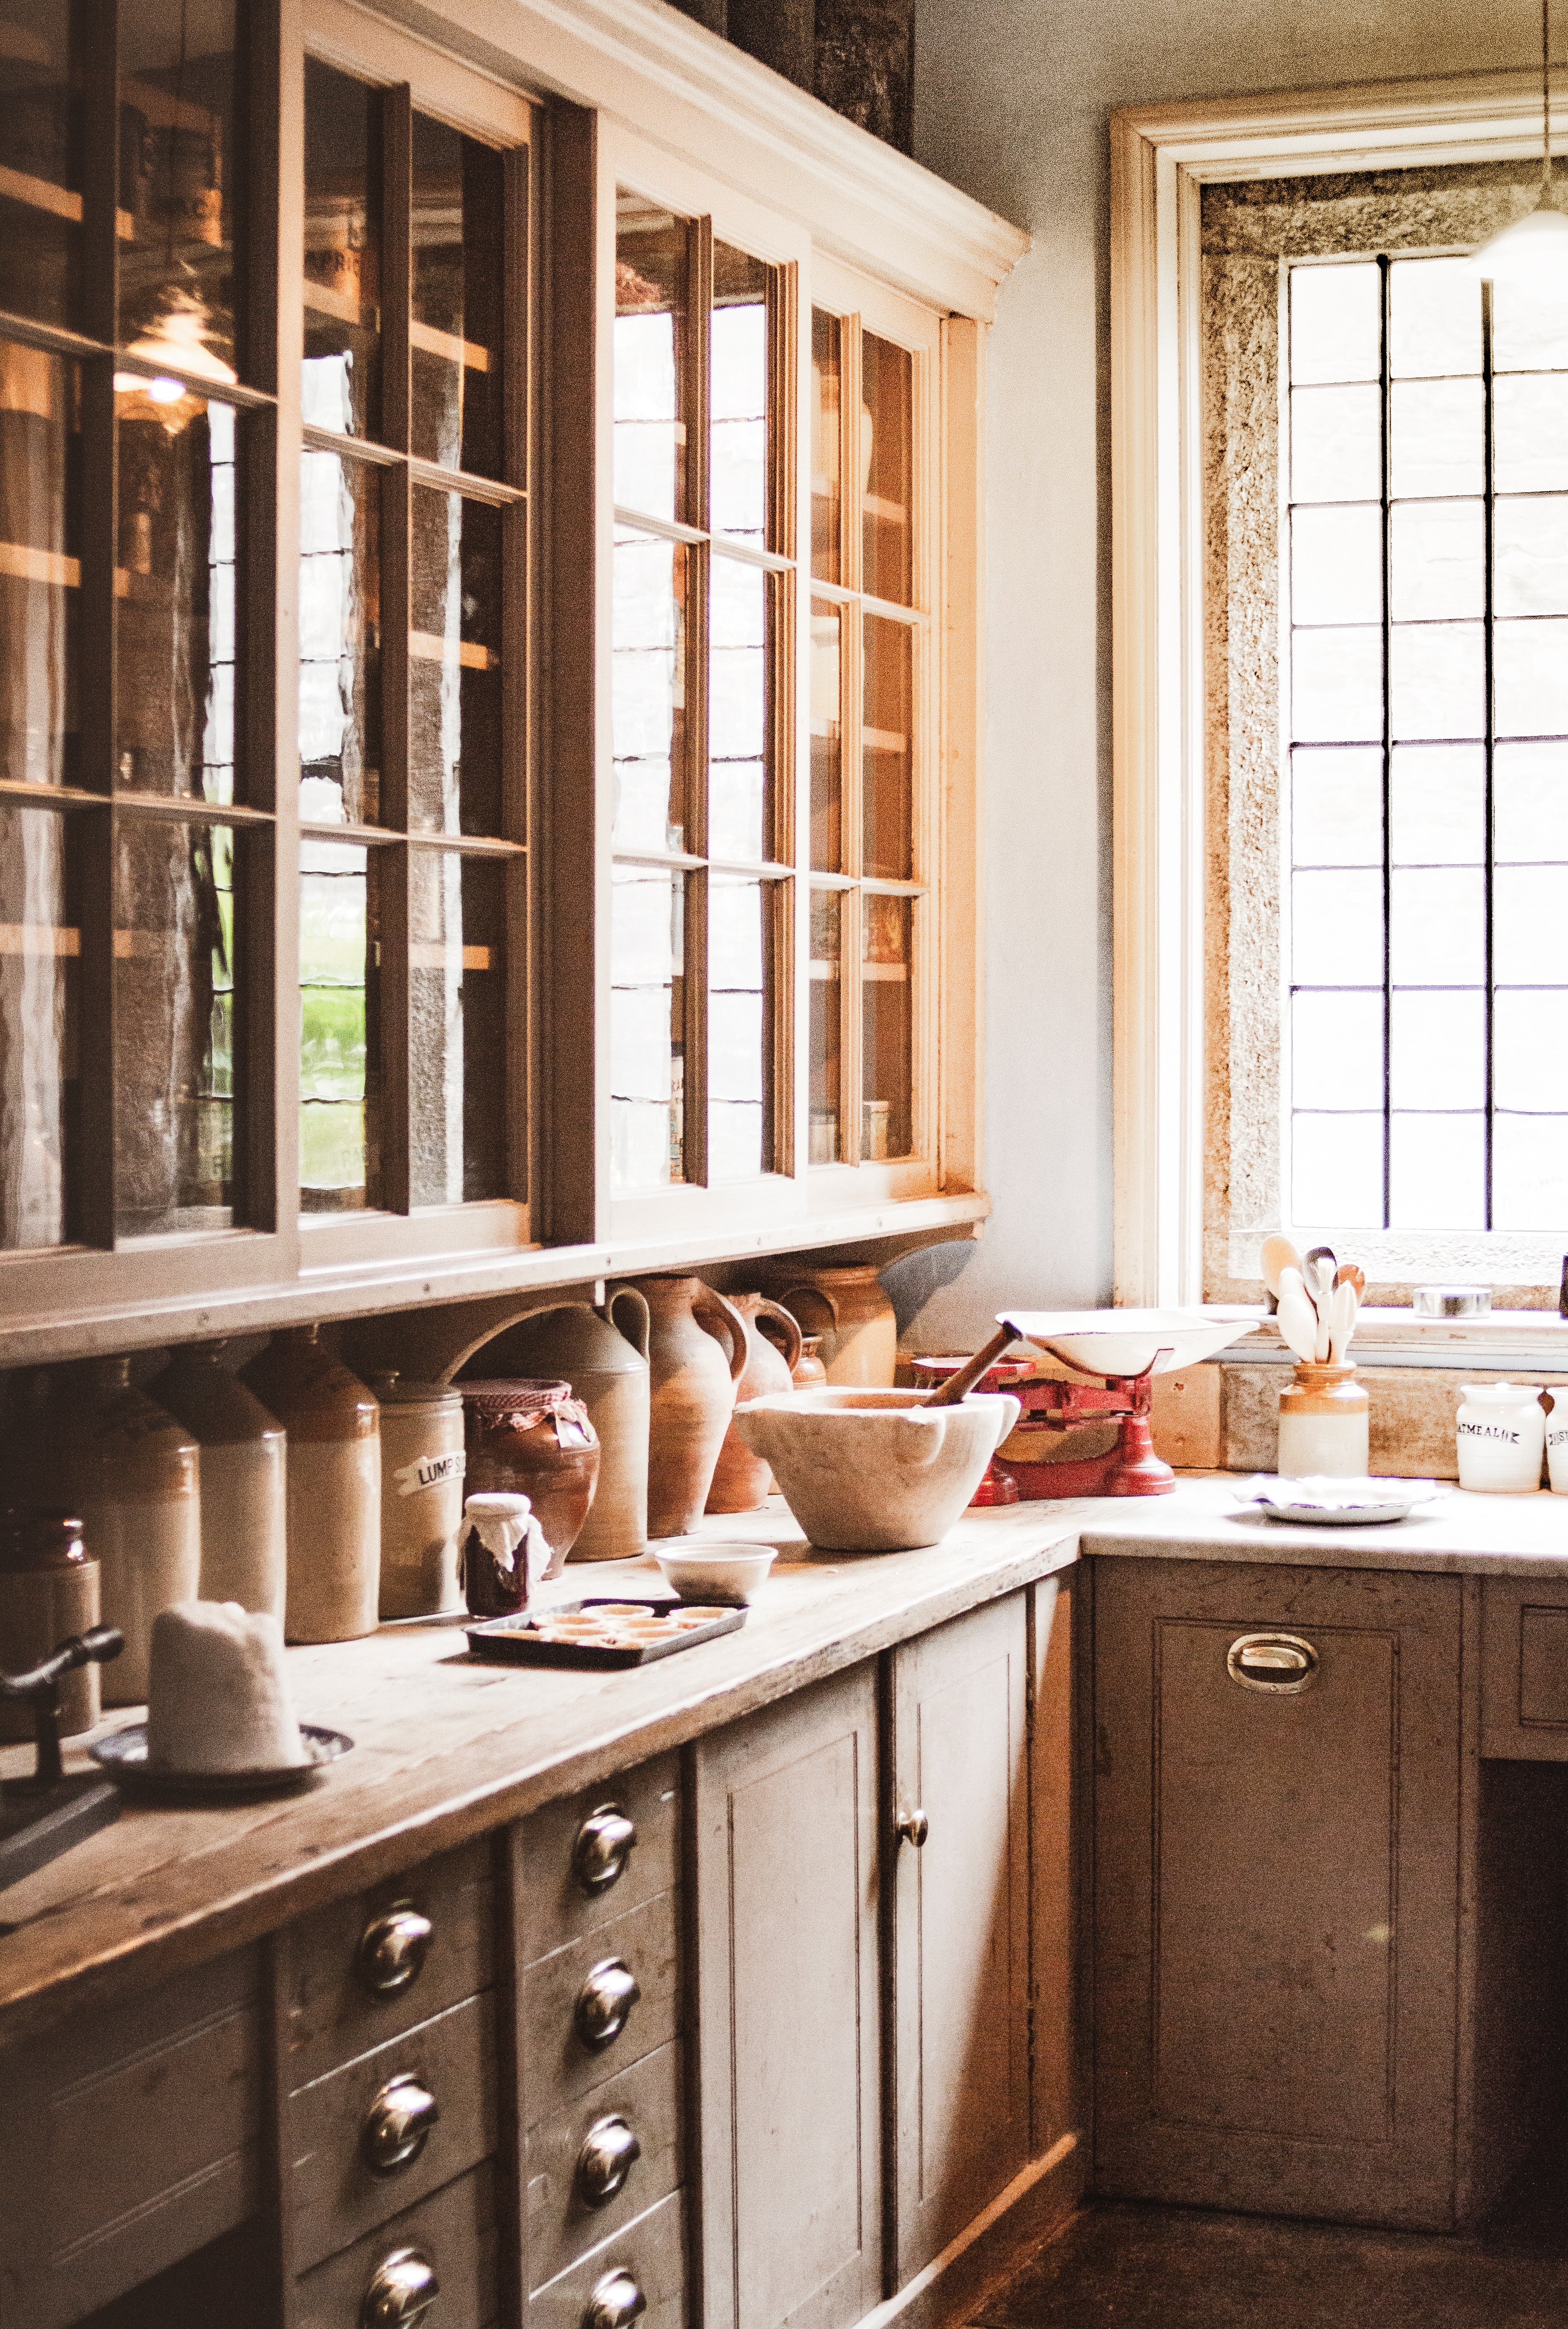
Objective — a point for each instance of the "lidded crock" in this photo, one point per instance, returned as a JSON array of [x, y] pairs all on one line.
[[533, 1438]]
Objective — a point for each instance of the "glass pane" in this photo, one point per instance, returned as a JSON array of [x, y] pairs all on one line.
[[1437, 926], [1336, 1171], [1336, 444], [886, 740], [1438, 552], [650, 331], [339, 640], [827, 1023], [886, 462], [887, 1016], [1336, 1050], [827, 743], [1434, 319], [1530, 435], [1530, 926], [1529, 1057], [1530, 802], [1439, 805], [457, 1027], [1437, 679], [647, 1026], [1530, 677], [454, 665], [1336, 563], [1529, 326], [457, 281], [738, 396], [176, 976], [39, 574], [826, 446], [1336, 322], [1437, 1058], [175, 594], [1532, 555], [1437, 438], [1529, 1173], [40, 946], [648, 692], [339, 1037], [1436, 1172], [40, 160], [1336, 930], [341, 377], [179, 164], [740, 1027], [739, 806], [1337, 807], [1337, 685]]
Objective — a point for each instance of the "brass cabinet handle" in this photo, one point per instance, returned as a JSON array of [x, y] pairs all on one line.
[[1281, 1663], [393, 1949], [401, 2291], [604, 2004], [609, 2154], [603, 1846], [615, 2302], [913, 1828], [397, 2126]]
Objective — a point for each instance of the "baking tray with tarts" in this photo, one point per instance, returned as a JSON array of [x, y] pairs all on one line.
[[601, 1632]]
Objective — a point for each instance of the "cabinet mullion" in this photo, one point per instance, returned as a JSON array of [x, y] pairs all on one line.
[[397, 133], [391, 870]]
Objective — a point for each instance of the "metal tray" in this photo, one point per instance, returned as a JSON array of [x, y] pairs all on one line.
[[500, 1638]]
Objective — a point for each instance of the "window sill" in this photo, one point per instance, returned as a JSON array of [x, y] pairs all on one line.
[[1397, 1338]]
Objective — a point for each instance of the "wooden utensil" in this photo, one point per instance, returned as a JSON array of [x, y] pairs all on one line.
[[953, 1390], [1279, 1254], [1297, 1320], [1348, 1274]]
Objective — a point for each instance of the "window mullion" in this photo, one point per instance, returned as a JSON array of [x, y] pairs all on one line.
[[1489, 546], [389, 868], [1385, 404]]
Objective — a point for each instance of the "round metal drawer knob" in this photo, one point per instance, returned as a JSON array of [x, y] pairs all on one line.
[[393, 1949], [609, 2154], [397, 2126], [604, 2004], [401, 2290], [913, 1828], [603, 1846], [615, 2302]]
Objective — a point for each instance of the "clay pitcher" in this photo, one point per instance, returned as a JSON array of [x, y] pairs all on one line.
[[807, 1374], [696, 1356], [603, 1355], [741, 1481], [851, 1314]]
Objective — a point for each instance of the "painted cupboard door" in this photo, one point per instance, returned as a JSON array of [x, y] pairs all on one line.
[[787, 1992], [960, 1975], [1277, 1881]]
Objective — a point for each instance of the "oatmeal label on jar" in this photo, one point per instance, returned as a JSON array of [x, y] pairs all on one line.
[[429, 1472]]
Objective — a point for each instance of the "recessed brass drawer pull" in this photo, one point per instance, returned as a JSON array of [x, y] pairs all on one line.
[[603, 1846], [615, 2303], [397, 2126], [604, 2004], [609, 2154], [1282, 1663], [401, 2290], [393, 1949]]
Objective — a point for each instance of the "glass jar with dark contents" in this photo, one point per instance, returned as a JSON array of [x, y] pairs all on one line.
[[494, 1554]]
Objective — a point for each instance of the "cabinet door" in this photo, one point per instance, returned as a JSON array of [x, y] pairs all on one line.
[[1277, 1891], [960, 1975], [786, 1975]]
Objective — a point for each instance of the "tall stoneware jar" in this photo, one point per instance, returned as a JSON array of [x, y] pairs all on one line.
[[534, 1439], [696, 1356], [848, 1310], [423, 1464], [334, 1426], [49, 1590], [603, 1354], [742, 1481], [244, 1483], [133, 1475]]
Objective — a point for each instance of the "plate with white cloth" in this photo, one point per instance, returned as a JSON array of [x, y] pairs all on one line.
[[1324, 1503]]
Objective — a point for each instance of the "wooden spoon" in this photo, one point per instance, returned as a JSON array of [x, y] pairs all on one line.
[[953, 1390], [1348, 1274], [1279, 1254]]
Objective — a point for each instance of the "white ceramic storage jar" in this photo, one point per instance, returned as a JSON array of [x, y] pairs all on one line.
[[1502, 1437], [422, 1497], [1557, 1442]]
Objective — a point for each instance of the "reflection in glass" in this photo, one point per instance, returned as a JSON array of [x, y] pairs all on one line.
[[1337, 806], [647, 1026], [1336, 563], [457, 1027], [339, 1081], [1529, 1057], [738, 396], [175, 977], [340, 381], [1438, 797], [826, 1007], [827, 738], [1336, 444], [1437, 679], [339, 640], [1434, 318], [40, 946], [1438, 549], [454, 665], [40, 161], [1435, 438], [39, 574], [1529, 1173], [1529, 327], [647, 692], [1530, 926], [1337, 929], [1436, 1172], [650, 317], [1530, 677], [1335, 1049], [1336, 1171], [886, 463], [1337, 685], [1530, 434], [1336, 322], [739, 804], [178, 168], [1437, 926], [1532, 556], [826, 446], [887, 955], [1435, 1060], [740, 1027], [457, 223], [1530, 802], [175, 719], [885, 738]]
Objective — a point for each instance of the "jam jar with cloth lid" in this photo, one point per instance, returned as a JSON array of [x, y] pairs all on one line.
[[503, 1552], [534, 1439]]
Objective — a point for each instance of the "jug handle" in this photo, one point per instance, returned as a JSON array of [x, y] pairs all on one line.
[[640, 1339], [725, 1323], [793, 1339], [792, 1298]]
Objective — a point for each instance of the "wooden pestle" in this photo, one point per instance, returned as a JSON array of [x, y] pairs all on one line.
[[955, 1387]]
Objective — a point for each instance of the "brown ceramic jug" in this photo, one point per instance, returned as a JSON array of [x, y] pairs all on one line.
[[848, 1310], [603, 1355], [808, 1373], [533, 1439], [696, 1356], [741, 1481]]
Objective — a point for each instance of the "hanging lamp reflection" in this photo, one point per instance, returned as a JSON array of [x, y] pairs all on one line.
[[178, 335], [1533, 252]]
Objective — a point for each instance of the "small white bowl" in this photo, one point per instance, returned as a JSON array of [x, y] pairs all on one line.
[[733, 1574]]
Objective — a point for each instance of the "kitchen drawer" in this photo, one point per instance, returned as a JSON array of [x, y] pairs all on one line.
[[1525, 1669], [332, 2011], [561, 2227], [453, 2228], [557, 2066], [554, 1908], [338, 2196], [652, 2249]]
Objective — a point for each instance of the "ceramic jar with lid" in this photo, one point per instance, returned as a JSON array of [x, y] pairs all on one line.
[[422, 1497], [603, 1354], [334, 1427], [1324, 1424], [49, 1590], [1558, 1439], [534, 1439], [244, 1485], [1501, 1429]]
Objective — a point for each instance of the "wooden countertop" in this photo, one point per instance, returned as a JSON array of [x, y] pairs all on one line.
[[447, 1746]]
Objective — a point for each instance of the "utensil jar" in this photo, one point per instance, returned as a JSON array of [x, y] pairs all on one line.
[[1323, 1424]]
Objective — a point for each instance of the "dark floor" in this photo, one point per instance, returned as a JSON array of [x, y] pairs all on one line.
[[1123, 2265]]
